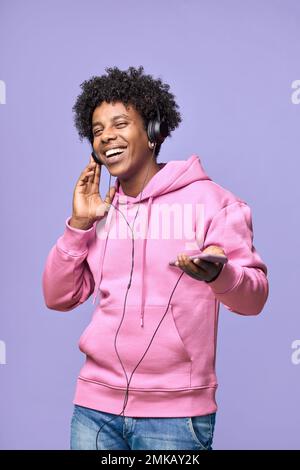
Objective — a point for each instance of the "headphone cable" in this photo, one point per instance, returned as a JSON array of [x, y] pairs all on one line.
[[128, 287]]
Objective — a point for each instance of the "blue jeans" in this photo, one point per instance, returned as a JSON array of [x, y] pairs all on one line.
[[124, 433]]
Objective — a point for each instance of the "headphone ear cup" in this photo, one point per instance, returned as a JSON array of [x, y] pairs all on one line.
[[150, 131], [163, 130], [157, 131], [96, 159]]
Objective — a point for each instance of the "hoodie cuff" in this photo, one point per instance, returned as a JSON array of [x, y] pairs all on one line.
[[74, 241], [228, 278]]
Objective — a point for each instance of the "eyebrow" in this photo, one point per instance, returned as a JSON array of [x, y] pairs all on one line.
[[112, 119]]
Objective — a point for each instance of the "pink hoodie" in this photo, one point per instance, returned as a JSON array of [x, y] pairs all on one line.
[[181, 210]]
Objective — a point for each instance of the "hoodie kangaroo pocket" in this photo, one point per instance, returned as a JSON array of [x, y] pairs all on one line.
[[159, 362]]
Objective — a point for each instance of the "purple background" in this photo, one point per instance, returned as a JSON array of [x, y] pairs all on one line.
[[231, 65]]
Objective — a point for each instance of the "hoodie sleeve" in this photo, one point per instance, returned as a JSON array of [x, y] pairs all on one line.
[[242, 284], [67, 280]]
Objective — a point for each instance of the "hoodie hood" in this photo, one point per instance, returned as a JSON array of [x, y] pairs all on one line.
[[172, 176]]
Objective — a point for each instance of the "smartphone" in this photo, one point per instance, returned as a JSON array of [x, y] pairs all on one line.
[[212, 258]]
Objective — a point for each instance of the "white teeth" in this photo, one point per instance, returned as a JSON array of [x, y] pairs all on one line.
[[113, 151]]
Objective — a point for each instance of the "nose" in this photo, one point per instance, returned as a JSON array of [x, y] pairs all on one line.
[[107, 135]]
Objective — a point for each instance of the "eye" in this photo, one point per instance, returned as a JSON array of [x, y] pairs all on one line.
[[117, 125]]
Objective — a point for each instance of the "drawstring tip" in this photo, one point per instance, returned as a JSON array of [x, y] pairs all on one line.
[[142, 322]]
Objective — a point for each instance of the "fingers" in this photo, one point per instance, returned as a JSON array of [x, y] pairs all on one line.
[[87, 176], [110, 194], [214, 250], [87, 169], [201, 271], [185, 263], [96, 176]]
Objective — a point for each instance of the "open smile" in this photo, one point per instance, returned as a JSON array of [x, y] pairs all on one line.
[[116, 157]]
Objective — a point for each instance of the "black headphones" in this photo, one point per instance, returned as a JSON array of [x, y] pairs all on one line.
[[157, 131]]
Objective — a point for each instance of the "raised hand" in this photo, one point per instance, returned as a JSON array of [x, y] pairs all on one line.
[[87, 203]]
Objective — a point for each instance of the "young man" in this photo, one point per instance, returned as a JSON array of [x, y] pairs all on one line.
[[149, 379]]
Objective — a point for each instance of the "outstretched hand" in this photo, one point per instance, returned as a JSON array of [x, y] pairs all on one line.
[[198, 268]]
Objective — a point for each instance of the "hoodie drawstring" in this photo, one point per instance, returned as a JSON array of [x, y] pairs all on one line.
[[103, 250], [149, 205], [103, 246]]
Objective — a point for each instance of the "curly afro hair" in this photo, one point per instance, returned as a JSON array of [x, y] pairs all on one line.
[[131, 87]]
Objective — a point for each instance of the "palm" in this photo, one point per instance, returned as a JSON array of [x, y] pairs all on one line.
[[87, 201]]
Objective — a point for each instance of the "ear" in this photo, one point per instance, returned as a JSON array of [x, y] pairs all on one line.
[[150, 145]]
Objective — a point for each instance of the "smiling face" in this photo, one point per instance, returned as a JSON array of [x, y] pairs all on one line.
[[115, 126]]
